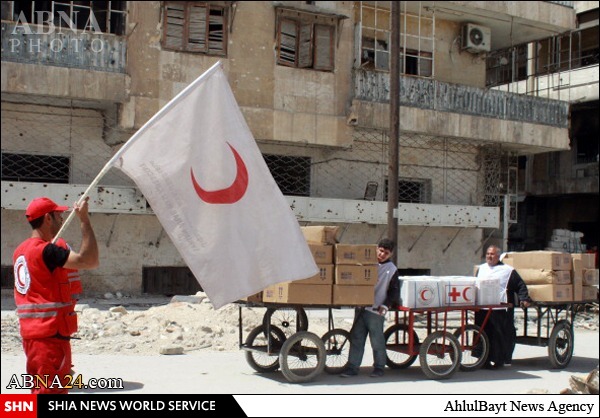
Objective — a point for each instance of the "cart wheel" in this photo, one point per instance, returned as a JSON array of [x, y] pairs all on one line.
[[289, 320], [396, 341], [258, 355], [440, 355], [302, 357], [475, 346], [337, 347], [560, 345]]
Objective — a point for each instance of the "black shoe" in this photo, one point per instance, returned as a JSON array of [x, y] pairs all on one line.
[[377, 372], [349, 373]]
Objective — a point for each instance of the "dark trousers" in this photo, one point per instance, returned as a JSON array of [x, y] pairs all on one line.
[[501, 331]]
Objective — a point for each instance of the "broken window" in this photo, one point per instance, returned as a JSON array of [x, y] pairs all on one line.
[[416, 39], [416, 63], [195, 27], [305, 40]]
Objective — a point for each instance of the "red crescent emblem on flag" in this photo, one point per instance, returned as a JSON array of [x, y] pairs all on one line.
[[230, 194]]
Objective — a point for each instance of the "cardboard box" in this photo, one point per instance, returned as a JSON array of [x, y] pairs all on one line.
[[551, 292], [577, 280], [355, 254], [320, 234], [459, 290], [292, 292], [353, 295], [355, 275], [255, 298], [587, 261], [590, 277], [323, 254], [547, 260], [542, 276], [420, 292], [325, 276], [590, 293]]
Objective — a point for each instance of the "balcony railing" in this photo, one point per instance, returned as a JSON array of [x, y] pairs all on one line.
[[445, 97], [73, 49]]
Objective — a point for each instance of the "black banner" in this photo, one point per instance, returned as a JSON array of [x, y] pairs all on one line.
[[91, 406]]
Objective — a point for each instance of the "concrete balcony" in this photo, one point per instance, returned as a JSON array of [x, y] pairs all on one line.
[[522, 123], [129, 200], [84, 65]]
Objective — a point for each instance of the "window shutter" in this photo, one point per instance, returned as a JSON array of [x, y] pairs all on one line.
[[305, 56], [216, 35], [175, 18], [287, 42], [324, 36], [197, 28]]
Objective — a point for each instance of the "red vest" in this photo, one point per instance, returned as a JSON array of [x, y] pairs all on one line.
[[43, 298], [72, 275]]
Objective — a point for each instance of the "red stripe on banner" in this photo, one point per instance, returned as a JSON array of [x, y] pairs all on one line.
[[18, 406]]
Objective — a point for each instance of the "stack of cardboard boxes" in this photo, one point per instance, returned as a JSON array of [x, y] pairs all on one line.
[[347, 273], [553, 276]]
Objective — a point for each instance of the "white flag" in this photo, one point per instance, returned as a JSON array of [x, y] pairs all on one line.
[[197, 164]]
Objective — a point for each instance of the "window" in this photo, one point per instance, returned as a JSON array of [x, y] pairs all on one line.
[[195, 27], [506, 65], [412, 190], [35, 168], [292, 174], [103, 16], [169, 281], [416, 63], [305, 40], [416, 39]]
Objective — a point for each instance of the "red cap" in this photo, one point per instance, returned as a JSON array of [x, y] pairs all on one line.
[[41, 206]]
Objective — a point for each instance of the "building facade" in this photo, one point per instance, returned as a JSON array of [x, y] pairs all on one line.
[[313, 82]]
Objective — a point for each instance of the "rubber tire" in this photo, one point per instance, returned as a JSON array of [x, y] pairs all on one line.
[[283, 319], [337, 347], [485, 341], [561, 338], [390, 332], [295, 347], [454, 355], [252, 356]]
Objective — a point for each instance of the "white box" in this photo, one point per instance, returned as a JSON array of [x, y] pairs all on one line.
[[459, 290], [420, 292], [489, 291]]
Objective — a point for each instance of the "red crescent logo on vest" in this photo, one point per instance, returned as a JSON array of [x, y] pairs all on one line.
[[230, 194]]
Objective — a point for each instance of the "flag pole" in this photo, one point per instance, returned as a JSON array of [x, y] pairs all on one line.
[[127, 144]]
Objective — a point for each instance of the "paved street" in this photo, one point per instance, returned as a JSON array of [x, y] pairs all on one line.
[[212, 372]]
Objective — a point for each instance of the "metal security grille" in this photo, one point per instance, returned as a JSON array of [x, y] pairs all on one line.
[[67, 142], [58, 141], [35, 168], [292, 174]]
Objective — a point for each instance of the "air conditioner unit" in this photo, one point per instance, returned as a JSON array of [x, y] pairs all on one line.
[[476, 38]]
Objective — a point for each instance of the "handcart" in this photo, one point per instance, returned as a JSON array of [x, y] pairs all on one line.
[[284, 342], [451, 342], [553, 329]]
